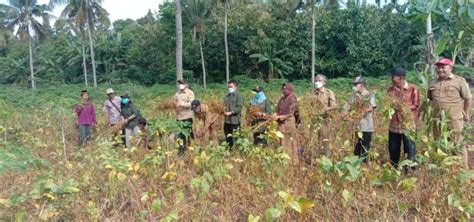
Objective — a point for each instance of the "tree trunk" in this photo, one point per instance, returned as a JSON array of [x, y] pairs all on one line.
[[179, 40], [84, 64], [203, 64], [313, 43], [31, 63], [227, 73], [91, 45], [430, 57]]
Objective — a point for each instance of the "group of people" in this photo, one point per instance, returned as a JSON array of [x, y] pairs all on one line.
[[447, 93], [119, 111]]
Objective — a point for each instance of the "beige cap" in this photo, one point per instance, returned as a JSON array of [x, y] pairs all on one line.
[[109, 91]]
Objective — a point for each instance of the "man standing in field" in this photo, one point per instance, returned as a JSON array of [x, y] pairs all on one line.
[[327, 99], [211, 121], [451, 94], [406, 103], [184, 114], [363, 102], [112, 110], [233, 103], [86, 118]]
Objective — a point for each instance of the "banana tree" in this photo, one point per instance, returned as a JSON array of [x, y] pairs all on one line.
[[273, 63]]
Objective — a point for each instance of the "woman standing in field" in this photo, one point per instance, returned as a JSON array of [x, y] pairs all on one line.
[[287, 116], [259, 110]]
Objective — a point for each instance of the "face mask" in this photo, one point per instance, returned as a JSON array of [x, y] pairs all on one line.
[[318, 85], [231, 90], [124, 100], [181, 86]]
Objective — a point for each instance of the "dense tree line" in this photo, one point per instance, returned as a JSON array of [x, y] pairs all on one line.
[[271, 39]]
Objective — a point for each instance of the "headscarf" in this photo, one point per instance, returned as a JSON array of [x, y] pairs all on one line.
[[288, 103], [259, 98], [288, 89]]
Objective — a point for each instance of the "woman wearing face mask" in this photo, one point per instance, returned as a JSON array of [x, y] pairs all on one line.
[[365, 126], [130, 114], [287, 118], [263, 109]]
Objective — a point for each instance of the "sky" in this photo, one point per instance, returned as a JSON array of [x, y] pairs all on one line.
[[118, 9], [134, 9]]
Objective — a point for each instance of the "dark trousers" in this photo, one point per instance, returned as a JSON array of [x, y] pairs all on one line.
[[259, 140], [188, 128], [394, 144], [228, 130], [362, 146], [84, 134]]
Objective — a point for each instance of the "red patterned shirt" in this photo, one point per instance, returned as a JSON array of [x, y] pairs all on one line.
[[410, 95]]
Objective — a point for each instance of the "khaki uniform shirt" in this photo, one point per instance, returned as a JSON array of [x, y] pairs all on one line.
[[183, 101], [449, 95], [325, 97]]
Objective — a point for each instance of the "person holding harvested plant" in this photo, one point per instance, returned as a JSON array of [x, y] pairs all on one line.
[[259, 110], [451, 94], [130, 114], [287, 116], [406, 104], [86, 118], [233, 103], [327, 100], [210, 119], [112, 110], [184, 114], [361, 105]]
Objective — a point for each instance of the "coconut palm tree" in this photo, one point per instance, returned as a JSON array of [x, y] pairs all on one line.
[[23, 15], [179, 40], [88, 15], [197, 11]]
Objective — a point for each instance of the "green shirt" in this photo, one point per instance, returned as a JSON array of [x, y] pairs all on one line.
[[129, 110], [233, 103]]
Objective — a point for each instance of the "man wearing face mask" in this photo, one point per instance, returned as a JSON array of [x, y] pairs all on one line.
[[233, 103], [450, 93], [366, 125], [184, 113], [327, 98], [407, 95]]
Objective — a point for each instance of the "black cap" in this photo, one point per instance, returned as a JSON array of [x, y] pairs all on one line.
[[398, 72], [194, 104], [258, 89], [182, 81], [125, 96]]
